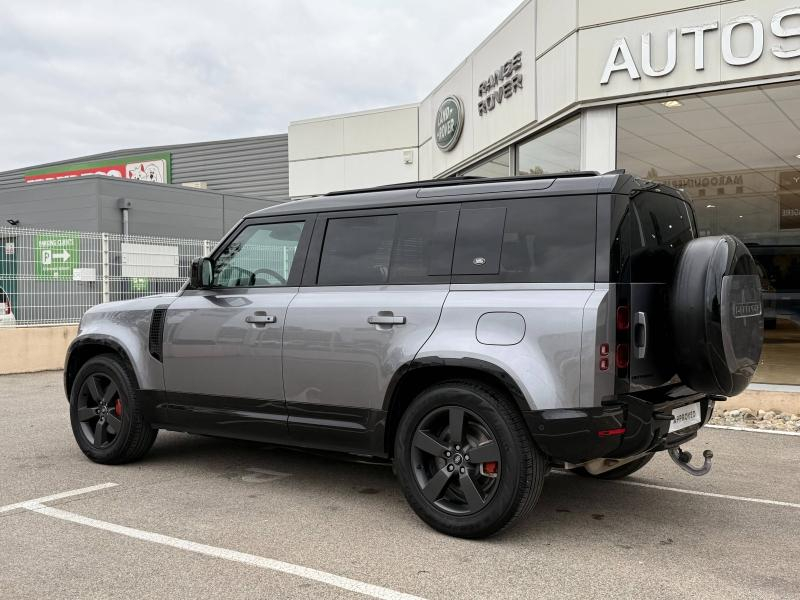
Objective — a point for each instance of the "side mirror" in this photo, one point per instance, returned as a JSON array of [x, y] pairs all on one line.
[[201, 274]]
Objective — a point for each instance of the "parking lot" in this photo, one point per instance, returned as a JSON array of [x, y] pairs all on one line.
[[204, 517]]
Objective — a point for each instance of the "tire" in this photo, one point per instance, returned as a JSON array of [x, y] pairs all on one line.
[[492, 427], [716, 315], [106, 416], [618, 473]]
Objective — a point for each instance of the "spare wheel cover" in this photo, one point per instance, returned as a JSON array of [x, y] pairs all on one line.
[[716, 315]]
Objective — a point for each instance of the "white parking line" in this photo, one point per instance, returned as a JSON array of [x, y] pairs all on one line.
[[710, 494], [695, 492], [754, 430], [59, 496], [344, 583]]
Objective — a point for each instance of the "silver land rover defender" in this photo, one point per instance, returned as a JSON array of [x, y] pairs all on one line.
[[477, 332]]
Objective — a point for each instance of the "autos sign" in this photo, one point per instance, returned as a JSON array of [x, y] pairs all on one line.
[[783, 26], [154, 167]]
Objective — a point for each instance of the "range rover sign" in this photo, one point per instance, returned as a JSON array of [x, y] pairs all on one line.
[[449, 123]]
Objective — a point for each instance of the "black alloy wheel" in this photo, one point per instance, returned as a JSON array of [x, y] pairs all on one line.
[[465, 460], [107, 419], [100, 410], [459, 459]]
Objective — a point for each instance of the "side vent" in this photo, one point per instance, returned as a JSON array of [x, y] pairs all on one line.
[[156, 343]]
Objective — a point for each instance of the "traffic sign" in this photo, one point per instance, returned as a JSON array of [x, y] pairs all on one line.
[[56, 255]]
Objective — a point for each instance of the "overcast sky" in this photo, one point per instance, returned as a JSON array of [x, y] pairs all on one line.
[[78, 78]]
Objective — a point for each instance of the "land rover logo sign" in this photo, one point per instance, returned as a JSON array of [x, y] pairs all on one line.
[[449, 123]]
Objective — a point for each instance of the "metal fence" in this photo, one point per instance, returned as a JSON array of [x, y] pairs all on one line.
[[53, 277]]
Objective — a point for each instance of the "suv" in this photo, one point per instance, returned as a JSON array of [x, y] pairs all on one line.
[[477, 332]]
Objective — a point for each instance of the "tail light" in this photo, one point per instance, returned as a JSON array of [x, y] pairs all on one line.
[[604, 349], [623, 356], [623, 318], [611, 432]]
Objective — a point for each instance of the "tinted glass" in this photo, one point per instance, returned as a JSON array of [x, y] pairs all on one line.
[[259, 256], [542, 240], [479, 241], [654, 230], [413, 247], [357, 250], [424, 246]]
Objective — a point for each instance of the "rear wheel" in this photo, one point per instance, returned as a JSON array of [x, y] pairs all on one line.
[[465, 460], [618, 473], [106, 418]]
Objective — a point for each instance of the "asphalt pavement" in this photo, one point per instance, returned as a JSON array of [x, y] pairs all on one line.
[[202, 517]]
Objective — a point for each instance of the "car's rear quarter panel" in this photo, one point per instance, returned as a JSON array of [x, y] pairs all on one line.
[[546, 362]]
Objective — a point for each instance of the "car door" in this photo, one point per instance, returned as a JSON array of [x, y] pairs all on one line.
[[372, 294], [661, 225], [222, 345]]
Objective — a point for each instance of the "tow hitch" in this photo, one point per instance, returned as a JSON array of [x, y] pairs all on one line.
[[682, 458]]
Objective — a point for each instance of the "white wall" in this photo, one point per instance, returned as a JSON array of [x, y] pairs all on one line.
[[565, 47], [352, 151]]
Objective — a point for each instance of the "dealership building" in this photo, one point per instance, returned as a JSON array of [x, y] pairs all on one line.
[[701, 95]]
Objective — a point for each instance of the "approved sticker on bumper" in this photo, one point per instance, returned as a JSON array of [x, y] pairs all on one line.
[[685, 416]]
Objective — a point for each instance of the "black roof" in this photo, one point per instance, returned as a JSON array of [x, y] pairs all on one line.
[[457, 189]]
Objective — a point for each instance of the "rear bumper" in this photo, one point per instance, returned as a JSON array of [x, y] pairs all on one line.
[[577, 435]]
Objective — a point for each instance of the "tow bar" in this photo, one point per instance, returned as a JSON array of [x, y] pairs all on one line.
[[682, 458]]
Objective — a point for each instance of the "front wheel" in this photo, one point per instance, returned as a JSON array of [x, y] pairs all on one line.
[[106, 417], [465, 460]]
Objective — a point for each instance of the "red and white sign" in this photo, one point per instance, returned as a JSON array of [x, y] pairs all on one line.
[[143, 170]]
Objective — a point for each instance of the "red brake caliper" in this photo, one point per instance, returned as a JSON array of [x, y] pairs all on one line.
[[118, 407], [490, 467]]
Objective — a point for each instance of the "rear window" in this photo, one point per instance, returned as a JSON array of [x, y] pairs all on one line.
[[653, 230], [529, 240]]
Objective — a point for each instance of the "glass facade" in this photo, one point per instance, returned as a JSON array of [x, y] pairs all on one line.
[[496, 166], [557, 150], [737, 155]]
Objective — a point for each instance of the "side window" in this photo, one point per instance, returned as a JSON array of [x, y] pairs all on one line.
[[530, 240], [413, 247], [357, 250], [423, 247], [259, 256]]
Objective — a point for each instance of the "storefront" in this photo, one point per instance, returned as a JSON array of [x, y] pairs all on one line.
[[701, 95]]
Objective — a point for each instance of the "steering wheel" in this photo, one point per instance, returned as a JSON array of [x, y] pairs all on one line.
[[274, 274]]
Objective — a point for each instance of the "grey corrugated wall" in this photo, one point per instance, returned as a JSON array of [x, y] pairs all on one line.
[[256, 166]]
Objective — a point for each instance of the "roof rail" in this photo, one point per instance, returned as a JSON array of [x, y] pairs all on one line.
[[429, 183]]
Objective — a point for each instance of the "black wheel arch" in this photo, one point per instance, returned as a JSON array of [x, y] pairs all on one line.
[[86, 348], [413, 377]]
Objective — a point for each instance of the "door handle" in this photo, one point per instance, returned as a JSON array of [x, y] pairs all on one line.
[[386, 320], [260, 318], [640, 334]]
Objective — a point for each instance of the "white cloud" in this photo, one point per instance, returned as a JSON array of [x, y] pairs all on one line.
[[85, 77]]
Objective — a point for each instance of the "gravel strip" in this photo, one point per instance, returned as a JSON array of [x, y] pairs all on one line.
[[761, 419]]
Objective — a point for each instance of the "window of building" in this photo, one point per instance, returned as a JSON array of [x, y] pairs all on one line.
[[530, 240], [259, 256], [736, 153], [557, 150], [496, 166]]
